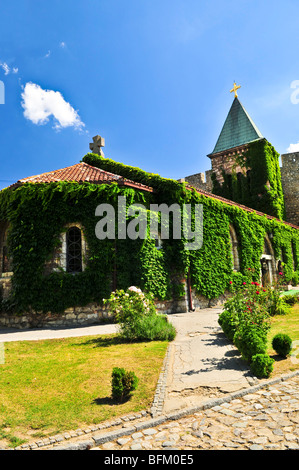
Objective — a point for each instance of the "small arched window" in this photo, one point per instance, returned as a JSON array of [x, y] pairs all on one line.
[[73, 250]]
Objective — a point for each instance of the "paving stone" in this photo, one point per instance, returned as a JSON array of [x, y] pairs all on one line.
[[264, 424]]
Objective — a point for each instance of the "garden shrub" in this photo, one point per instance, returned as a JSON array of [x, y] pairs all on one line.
[[228, 324], [291, 299], [282, 344], [153, 328], [261, 365], [250, 341], [123, 383], [279, 307], [137, 317]]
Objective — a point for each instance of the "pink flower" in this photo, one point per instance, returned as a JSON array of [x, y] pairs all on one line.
[[244, 283], [280, 274], [230, 282], [257, 292]]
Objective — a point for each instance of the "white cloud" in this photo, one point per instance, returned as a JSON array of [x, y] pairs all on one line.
[[62, 44], [39, 105], [5, 67], [293, 148], [47, 55]]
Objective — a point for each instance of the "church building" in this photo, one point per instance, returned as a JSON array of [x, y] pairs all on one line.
[[55, 270]]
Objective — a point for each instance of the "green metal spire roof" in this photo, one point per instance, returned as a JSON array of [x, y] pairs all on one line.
[[238, 129]]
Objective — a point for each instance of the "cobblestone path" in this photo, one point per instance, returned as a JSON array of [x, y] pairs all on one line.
[[265, 420]]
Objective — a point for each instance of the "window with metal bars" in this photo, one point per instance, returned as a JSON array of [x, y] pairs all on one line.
[[74, 250]]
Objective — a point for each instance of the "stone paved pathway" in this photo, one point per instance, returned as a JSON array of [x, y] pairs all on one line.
[[206, 399], [265, 420]]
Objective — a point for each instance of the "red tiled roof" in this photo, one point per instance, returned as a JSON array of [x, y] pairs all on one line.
[[236, 204], [80, 173]]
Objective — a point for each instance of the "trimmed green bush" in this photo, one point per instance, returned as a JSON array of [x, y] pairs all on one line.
[[282, 344], [250, 341], [227, 322], [123, 383], [261, 365], [151, 328]]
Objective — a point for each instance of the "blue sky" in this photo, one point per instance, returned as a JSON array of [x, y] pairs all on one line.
[[150, 76]]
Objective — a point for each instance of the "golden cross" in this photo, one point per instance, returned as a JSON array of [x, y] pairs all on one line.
[[235, 89]]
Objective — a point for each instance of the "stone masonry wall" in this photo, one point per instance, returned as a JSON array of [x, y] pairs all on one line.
[[200, 180], [78, 316], [226, 161], [290, 185]]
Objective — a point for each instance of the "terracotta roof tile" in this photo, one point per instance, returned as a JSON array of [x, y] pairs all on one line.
[[80, 173], [232, 203]]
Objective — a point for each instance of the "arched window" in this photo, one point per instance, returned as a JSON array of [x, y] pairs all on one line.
[[234, 248], [73, 250]]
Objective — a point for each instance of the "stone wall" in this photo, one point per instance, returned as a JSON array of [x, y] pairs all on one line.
[[226, 162], [290, 185], [75, 316], [78, 316], [96, 314], [200, 181]]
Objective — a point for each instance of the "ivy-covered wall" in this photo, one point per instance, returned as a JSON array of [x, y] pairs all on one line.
[[211, 266], [259, 184], [38, 213]]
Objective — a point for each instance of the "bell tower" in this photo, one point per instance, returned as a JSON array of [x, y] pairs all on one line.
[[237, 133]]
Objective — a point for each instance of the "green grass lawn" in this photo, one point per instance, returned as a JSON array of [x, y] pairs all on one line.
[[288, 324], [51, 386]]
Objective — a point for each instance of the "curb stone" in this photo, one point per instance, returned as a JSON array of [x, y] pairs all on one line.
[[99, 439]]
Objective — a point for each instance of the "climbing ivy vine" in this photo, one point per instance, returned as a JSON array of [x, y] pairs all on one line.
[[259, 184], [38, 213]]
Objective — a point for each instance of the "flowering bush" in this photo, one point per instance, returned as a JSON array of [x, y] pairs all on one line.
[[247, 307], [246, 321], [130, 304], [136, 314]]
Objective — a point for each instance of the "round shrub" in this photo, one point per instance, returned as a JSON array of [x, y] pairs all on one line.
[[282, 344], [123, 383], [261, 365], [250, 341]]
